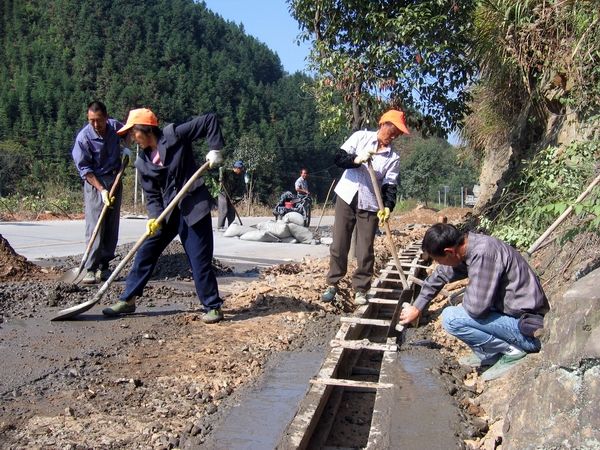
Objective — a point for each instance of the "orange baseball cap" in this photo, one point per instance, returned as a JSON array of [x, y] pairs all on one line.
[[140, 116], [397, 118]]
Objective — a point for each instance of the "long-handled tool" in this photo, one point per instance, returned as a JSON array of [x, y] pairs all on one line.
[[232, 205], [324, 205], [72, 275], [78, 309], [562, 217], [388, 231]]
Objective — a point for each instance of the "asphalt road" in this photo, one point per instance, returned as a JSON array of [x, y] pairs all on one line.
[[60, 238]]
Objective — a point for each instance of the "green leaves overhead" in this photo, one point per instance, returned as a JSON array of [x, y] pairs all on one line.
[[372, 55]]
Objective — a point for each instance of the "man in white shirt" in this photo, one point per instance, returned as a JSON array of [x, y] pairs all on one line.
[[357, 205], [301, 185]]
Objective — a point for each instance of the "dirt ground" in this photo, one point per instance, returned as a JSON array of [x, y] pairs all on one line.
[[160, 378]]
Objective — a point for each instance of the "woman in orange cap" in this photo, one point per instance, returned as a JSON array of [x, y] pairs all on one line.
[[356, 203], [166, 163]]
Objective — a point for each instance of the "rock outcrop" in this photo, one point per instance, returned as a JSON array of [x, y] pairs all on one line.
[[553, 401]]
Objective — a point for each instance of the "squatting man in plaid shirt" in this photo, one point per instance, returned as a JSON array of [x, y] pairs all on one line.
[[503, 304]]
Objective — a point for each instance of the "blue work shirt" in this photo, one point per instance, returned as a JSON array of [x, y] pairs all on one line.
[[94, 154]]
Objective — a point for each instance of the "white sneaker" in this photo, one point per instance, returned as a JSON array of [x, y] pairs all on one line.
[[360, 298]]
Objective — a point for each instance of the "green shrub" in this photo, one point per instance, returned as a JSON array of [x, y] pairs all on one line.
[[549, 184]]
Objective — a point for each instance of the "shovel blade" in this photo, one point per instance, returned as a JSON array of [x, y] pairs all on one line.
[[74, 311], [72, 276]]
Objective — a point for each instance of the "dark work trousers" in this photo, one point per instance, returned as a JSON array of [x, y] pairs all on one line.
[[366, 222], [226, 211], [197, 241], [103, 248]]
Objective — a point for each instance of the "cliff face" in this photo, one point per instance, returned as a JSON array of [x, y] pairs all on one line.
[[556, 402], [502, 163], [550, 401]]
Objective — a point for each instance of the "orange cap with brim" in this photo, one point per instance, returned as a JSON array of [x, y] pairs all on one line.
[[140, 116], [397, 118]]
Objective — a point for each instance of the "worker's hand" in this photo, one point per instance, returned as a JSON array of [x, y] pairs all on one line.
[[408, 314], [152, 226], [125, 156], [383, 215], [106, 199], [364, 156], [214, 158]]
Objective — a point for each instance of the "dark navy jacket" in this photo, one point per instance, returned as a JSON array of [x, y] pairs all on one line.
[[162, 183]]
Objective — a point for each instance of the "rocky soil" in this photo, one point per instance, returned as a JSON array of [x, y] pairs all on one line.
[[163, 377]]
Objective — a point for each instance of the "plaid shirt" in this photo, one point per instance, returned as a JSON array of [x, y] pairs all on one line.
[[499, 280], [386, 165]]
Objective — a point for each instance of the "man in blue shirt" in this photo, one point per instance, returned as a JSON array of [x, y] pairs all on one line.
[[97, 156]]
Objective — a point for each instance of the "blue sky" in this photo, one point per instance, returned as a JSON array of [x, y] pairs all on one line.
[[270, 22]]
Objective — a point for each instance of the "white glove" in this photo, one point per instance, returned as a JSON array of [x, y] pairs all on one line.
[[363, 156], [108, 201], [214, 158]]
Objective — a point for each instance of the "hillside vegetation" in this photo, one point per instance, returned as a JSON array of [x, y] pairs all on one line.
[[175, 57]]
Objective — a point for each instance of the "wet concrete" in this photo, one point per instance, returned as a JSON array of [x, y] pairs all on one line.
[[425, 416], [259, 419], [27, 354]]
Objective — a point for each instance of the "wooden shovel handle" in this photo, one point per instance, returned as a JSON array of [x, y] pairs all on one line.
[[388, 231], [100, 220]]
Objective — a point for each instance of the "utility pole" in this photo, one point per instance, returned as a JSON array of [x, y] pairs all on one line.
[[462, 197], [445, 195]]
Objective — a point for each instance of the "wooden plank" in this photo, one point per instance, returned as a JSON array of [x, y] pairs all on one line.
[[383, 301], [363, 344], [394, 272], [361, 321], [351, 383], [387, 290], [410, 264]]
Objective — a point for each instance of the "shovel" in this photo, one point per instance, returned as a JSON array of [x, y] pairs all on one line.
[[388, 231], [405, 293], [72, 276], [73, 311]]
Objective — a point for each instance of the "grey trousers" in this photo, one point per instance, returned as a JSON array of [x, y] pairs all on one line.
[[226, 211], [366, 222], [103, 249]]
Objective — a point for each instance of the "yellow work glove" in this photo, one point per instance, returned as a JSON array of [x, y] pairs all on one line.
[[106, 198], [383, 215], [152, 226]]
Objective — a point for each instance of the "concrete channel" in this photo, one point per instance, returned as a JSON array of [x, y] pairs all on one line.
[[366, 395], [362, 392]]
